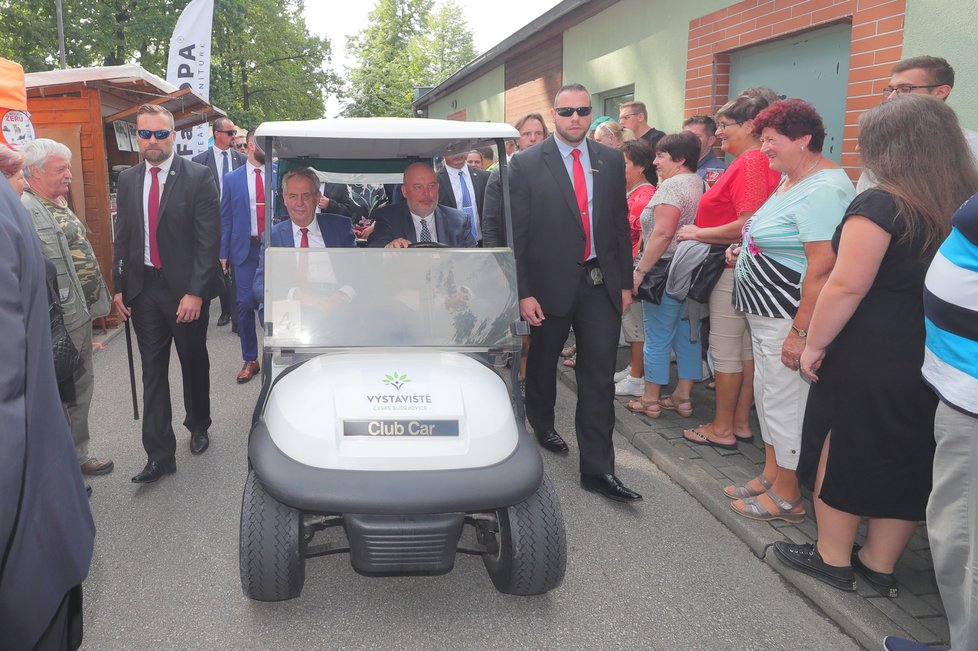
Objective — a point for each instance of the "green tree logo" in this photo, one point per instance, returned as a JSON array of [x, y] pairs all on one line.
[[395, 380]]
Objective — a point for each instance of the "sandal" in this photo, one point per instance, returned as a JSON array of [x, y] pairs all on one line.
[[744, 439], [697, 437], [652, 410], [569, 351], [754, 510], [735, 492], [571, 361], [684, 408]]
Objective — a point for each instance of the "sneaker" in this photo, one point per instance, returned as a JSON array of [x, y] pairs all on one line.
[[805, 558], [630, 386], [621, 375], [891, 643]]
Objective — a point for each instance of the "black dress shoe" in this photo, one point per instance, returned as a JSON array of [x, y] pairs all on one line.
[[610, 487], [234, 328], [550, 440], [155, 470], [224, 319], [199, 442]]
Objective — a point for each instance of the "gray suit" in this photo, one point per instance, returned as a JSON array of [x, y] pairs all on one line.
[[46, 528]]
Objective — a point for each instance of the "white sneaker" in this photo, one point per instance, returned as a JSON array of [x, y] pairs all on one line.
[[630, 386], [621, 375]]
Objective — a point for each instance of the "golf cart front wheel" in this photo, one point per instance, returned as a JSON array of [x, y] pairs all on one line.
[[532, 552], [271, 547]]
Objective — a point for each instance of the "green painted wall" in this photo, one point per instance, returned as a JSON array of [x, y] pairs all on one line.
[[483, 99], [947, 28], [642, 42]]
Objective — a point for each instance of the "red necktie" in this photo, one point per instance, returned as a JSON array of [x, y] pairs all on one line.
[[260, 204], [580, 191], [304, 242], [154, 216]]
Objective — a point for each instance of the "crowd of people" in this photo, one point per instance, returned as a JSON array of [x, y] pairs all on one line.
[[816, 301]]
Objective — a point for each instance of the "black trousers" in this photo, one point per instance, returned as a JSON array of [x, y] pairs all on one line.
[[154, 318], [65, 631], [597, 323]]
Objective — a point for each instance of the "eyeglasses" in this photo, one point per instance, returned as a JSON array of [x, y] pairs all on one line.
[[626, 116], [727, 125], [905, 89], [567, 111], [241, 145], [229, 132], [161, 134]]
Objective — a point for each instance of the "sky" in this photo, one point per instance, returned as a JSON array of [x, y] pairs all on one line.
[[491, 21]]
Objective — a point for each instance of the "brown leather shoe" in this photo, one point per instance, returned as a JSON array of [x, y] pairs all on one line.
[[248, 371], [95, 467]]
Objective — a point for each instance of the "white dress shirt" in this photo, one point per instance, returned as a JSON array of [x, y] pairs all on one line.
[[219, 164], [431, 226], [252, 197], [568, 158], [162, 177], [316, 240]]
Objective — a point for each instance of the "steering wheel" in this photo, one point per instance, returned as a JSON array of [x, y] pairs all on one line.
[[427, 245]]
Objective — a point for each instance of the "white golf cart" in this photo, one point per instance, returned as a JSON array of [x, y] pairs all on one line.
[[382, 428]]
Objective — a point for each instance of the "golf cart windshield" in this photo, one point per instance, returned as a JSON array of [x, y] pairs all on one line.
[[445, 298]]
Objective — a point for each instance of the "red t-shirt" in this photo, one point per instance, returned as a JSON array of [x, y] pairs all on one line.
[[637, 200], [744, 187]]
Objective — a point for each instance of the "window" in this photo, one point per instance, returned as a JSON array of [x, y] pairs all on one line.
[[612, 100]]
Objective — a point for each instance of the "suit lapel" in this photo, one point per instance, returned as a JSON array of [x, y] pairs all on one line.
[[141, 207], [176, 168], [597, 163], [555, 163], [440, 228]]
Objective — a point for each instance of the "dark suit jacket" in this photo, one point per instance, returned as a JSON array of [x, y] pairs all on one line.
[[340, 202], [337, 232], [207, 158], [480, 178], [453, 227], [188, 235], [548, 236], [46, 529], [236, 216]]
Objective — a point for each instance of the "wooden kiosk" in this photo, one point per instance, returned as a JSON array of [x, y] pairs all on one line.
[[93, 112]]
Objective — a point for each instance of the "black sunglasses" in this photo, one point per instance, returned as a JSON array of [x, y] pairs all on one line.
[[161, 134], [229, 132], [567, 111], [241, 146]]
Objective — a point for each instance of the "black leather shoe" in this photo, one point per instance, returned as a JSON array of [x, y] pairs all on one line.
[[155, 470], [234, 328], [550, 440], [199, 442], [610, 487], [224, 319]]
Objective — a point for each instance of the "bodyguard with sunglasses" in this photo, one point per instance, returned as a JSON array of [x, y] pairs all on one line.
[[167, 238], [574, 267]]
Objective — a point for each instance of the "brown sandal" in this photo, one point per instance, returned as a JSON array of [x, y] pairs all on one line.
[[684, 408], [639, 407]]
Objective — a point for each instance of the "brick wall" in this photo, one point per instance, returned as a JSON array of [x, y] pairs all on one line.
[[533, 78], [877, 43]]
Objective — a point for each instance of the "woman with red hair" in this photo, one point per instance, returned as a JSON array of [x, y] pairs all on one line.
[[12, 166]]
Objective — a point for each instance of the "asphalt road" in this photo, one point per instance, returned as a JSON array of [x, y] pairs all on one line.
[[662, 575]]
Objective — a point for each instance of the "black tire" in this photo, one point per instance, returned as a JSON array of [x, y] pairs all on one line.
[[532, 555], [271, 552]]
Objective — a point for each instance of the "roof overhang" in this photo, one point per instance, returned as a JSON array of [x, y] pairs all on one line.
[[125, 88]]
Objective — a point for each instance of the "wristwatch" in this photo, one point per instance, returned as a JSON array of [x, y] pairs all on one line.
[[798, 331]]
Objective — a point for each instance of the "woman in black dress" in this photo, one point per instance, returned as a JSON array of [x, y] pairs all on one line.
[[868, 434]]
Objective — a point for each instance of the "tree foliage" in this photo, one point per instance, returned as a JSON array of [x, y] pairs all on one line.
[[405, 45], [264, 62]]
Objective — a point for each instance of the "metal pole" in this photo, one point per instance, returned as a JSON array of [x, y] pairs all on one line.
[[61, 35]]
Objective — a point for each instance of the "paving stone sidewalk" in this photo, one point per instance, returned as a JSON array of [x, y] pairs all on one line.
[[704, 470]]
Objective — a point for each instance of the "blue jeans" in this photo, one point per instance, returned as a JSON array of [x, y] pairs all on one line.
[[665, 330]]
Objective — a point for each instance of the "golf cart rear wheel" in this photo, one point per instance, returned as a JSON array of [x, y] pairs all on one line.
[[271, 547], [532, 551]]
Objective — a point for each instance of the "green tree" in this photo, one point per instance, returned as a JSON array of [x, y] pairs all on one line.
[[405, 45], [264, 62]]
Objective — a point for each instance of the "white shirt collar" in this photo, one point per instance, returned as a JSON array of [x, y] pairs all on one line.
[[164, 168]]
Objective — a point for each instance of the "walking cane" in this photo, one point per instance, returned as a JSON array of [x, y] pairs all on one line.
[[132, 372]]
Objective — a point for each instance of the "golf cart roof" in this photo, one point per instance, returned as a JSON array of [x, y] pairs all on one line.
[[380, 138]]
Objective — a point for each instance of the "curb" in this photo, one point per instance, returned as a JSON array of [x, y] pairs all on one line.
[[860, 620], [99, 342]]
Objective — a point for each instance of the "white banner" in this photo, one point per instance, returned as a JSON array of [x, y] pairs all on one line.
[[190, 65]]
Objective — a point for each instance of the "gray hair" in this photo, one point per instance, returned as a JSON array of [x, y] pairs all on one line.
[[307, 173], [39, 151]]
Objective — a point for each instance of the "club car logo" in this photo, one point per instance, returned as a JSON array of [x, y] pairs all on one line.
[[399, 399], [395, 380]]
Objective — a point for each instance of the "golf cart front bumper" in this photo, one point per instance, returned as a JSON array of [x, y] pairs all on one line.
[[321, 490]]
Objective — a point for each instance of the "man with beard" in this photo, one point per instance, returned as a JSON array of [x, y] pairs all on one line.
[[242, 227], [167, 240], [573, 264]]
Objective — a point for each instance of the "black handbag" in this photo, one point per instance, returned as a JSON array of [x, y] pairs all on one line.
[[67, 359], [706, 275], [653, 285]]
